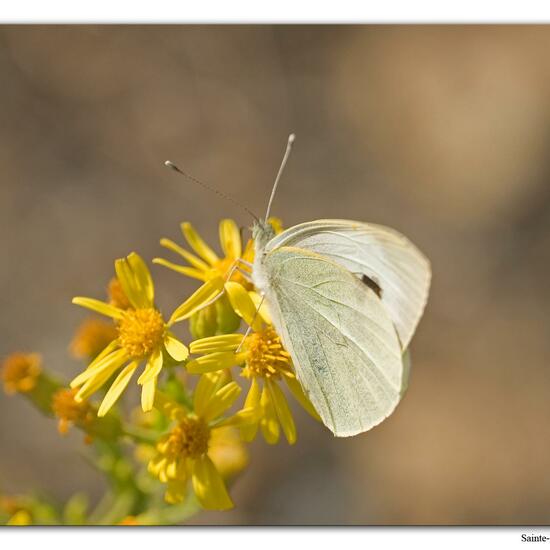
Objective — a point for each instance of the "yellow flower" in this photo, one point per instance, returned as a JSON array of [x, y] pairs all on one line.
[[70, 411], [20, 372], [265, 363], [142, 336], [205, 263], [192, 450], [91, 337]]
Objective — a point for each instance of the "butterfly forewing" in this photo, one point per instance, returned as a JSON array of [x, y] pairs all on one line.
[[342, 341], [385, 256]]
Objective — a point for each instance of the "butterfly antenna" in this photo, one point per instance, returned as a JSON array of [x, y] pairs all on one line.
[[229, 198], [291, 139]]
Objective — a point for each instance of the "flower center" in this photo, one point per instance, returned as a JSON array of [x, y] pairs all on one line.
[[141, 331], [20, 372], [68, 410], [266, 356], [189, 438]]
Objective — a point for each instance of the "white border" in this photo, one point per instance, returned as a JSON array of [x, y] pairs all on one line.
[[280, 11], [365, 538]]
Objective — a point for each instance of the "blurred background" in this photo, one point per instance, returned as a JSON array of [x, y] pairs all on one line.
[[441, 132]]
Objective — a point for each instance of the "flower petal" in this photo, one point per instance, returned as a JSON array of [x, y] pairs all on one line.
[[142, 278], [269, 423], [212, 344], [183, 269], [248, 432], [283, 411], [148, 394], [204, 390], [126, 278], [176, 349], [230, 239], [117, 387], [222, 400], [191, 258], [153, 368], [199, 299], [197, 244], [243, 305], [98, 380], [117, 356], [209, 485], [99, 307], [214, 362], [176, 490], [247, 417]]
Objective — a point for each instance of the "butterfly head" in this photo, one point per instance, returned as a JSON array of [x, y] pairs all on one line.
[[262, 233]]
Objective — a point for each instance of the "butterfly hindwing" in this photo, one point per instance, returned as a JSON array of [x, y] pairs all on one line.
[[343, 343], [387, 258]]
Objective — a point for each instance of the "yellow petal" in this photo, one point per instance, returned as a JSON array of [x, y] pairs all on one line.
[[97, 381], [183, 269], [212, 344], [269, 423], [175, 348], [191, 258], [117, 387], [142, 278], [214, 362], [246, 417], [283, 412], [106, 351], [230, 239], [148, 394], [261, 306], [222, 400], [243, 305], [118, 357], [301, 397], [126, 278], [199, 299], [153, 368], [198, 245], [248, 432], [99, 307], [175, 491], [206, 387], [209, 486]]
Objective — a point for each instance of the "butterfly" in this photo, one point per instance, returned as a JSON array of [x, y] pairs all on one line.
[[345, 297]]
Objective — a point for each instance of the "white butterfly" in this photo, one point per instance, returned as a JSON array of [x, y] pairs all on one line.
[[346, 298]]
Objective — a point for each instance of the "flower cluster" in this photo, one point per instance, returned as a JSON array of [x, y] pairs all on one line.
[[191, 435]]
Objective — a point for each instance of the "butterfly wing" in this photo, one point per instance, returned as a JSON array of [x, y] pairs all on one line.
[[342, 341], [383, 255]]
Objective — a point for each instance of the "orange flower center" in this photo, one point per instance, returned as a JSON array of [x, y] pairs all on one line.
[[141, 331], [189, 438], [266, 356]]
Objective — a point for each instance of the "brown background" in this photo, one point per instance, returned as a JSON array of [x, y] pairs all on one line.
[[441, 132]]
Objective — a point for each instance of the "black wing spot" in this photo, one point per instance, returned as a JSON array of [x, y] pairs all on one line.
[[373, 285]]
